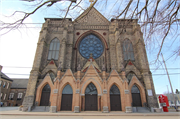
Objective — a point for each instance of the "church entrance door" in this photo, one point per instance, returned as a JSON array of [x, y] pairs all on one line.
[[45, 95], [115, 99], [91, 98], [66, 101], [136, 97]]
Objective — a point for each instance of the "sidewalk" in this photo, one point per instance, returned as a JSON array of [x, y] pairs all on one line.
[[86, 113]]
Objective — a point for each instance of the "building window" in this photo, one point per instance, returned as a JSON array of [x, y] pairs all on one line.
[[11, 95], [54, 49], [129, 76], [1, 95], [52, 75], [7, 85], [19, 96], [128, 50], [0, 83], [4, 85], [91, 44], [4, 96]]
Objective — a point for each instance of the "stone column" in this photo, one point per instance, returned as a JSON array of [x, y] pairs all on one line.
[[119, 56], [105, 96], [29, 98], [63, 49], [112, 51], [77, 95], [146, 74]]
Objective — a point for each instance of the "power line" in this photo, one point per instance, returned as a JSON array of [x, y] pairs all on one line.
[[109, 75]]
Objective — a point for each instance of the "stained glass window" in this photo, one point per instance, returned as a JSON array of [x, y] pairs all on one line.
[[67, 90], [114, 90], [91, 44], [46, 88], [91, 89], [54, 49], [135, 89], [130, 75], [128, 50]]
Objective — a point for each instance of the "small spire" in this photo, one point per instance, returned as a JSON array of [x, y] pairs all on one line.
[[59, 67], [103, 67], [79, 67]]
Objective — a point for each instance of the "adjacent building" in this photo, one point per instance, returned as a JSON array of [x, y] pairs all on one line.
[[17, 92], [90, 64], [5, 84]]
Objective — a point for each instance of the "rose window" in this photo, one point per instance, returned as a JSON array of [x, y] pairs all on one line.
[[91, 44]]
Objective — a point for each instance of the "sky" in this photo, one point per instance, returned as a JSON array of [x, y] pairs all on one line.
[[18, 47]]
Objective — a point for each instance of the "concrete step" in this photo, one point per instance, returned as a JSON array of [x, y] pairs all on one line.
[[41, 109], [143, 110]]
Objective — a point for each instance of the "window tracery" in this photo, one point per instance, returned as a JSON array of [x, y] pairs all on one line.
[[128, 50], [54, 49], [91, 44]]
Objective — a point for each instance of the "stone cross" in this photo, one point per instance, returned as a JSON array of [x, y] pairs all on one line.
[[91, 1]]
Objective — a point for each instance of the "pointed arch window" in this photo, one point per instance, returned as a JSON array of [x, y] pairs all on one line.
[[52, 75], [128, 50], [130, 75], [54, 49]]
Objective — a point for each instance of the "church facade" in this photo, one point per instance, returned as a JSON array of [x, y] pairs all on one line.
[[90, 64]]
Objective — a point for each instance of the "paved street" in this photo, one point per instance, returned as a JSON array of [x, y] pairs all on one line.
[[89, 117]]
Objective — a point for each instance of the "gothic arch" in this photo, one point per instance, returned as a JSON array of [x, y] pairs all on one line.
[[135, 81], [87, 82], [88, 33], [53, 39], [46, 80]]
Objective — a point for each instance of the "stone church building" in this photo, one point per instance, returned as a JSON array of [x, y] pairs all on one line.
[[90, 64]]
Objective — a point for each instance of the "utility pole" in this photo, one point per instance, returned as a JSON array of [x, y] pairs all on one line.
[[169, 82], [167, 89]]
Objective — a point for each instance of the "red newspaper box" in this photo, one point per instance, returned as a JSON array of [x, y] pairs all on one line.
[[164, 102]]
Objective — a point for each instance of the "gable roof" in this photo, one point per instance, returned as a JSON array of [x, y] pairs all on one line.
[[3, 76], [88, 63], [92, 16], [19, 83]]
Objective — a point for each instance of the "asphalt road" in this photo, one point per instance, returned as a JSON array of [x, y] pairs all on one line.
[[88, 117]]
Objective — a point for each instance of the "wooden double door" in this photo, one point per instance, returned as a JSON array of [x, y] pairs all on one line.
[[115, 102], [91, 102], [66, 104]]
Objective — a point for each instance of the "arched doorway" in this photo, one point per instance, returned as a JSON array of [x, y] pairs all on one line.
[[66, 101], [91, 98], [115, 99], [45, 96], [136, 97]]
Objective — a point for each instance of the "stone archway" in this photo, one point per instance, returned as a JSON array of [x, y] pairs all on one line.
[[115, 99], [91, 102], [66, 101], [136, 97], [45, 96]]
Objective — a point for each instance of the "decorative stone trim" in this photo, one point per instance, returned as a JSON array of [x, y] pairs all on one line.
[[105, 109], [55, 91], [99, 94], [53, 109], [126, 91], [128, 109], [76, 109], [82, 94], [104, 91], [77, 91]]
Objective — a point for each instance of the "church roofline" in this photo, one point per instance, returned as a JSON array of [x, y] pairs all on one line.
[[57, 19]]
